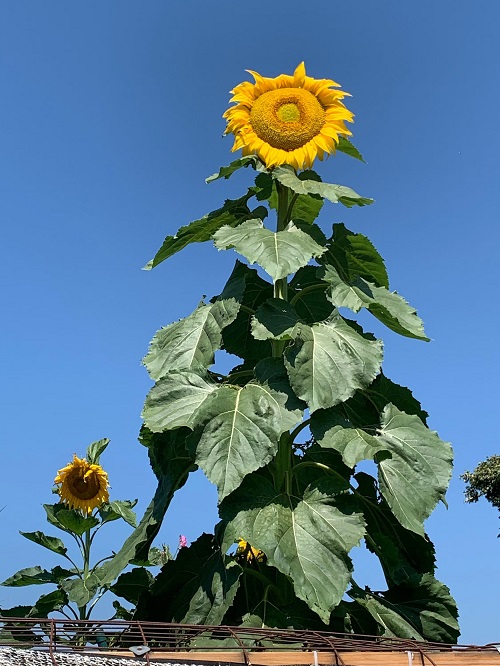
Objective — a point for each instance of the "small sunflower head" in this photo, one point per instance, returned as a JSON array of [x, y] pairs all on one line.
[[82, 485], [251, 555], [288, 119]]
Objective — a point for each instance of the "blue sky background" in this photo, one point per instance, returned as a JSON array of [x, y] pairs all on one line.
[[110, 120]]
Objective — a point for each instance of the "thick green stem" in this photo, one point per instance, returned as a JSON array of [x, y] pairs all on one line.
[[87, 542], [281, 285]]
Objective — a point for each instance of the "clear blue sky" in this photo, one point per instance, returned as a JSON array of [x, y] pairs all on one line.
[[110, 120]]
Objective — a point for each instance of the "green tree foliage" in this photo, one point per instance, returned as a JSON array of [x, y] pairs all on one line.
[[484, 481]]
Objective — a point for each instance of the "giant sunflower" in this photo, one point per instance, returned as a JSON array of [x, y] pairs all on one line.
[[288, 119], [83, 485]]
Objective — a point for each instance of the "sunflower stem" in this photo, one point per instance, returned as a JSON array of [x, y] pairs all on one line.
[[281, 285]]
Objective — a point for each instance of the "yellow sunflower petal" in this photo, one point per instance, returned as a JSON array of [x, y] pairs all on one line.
[[83, 485]]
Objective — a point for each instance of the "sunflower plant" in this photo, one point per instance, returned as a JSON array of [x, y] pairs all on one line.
[[282, 435], [84, 508]]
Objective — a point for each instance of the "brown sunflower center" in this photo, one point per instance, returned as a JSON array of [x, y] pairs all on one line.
[[287, 118], [83, 488]]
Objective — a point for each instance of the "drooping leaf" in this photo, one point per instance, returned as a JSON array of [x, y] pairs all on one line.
[[29, 576], [278, 253], [79, 591], [307, 538], [190, 344], [403, 554], [335, 193], [241, 427], [196, 588], [419, 460], [95, 450], [383, 391], [174, 401], [172, 465], [354, 255], [227, 171], [119, 509], [70, 519], [274, 319], [422, 609], [47, 603], [132, 584], [232, 213], [52, 543], [347, 147], [329, 361], [389, 307]]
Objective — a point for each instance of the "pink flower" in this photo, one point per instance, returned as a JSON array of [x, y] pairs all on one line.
[[182, 542]]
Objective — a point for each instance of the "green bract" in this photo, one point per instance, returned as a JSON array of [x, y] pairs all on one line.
[[283, 433]]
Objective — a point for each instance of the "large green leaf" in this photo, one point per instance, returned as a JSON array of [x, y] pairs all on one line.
[[172, 465], [95, 450], [329, 361], [119, 509], [271, 372], [132, 584], [416, 474], [29, 576], [274, 319], [72, 520], [232, 213], [52, 543], [47, 603], [421, 609], [79, 591], [389, 307], [402, 553], [383, 390], [305, 207], [278, 253], [195, 588], [190, 344], [307, 538], [241, 430], [354, 255], [227, 171], [237, 337], [174, 401], [308, 296], [335, 193]]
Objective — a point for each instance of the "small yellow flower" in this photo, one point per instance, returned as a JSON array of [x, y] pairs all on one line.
[[250, 554], [288, 119], [83, 485]]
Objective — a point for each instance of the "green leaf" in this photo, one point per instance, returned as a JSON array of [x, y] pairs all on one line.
[[227, 171], [132, 584], [419, 460], [16, 611], [237, 337], [389, 307], [345, 146], [329, 361], [95, 450], [271, 372], [274, 319], [121, 612], [119, 509], [47, 603], [190, 344], [29, 576], [172, 465], [52, 543], [307, 538], [354, 255], [306, 207], [195, 588], [308, 295], [421, 609], [278, 253], [335, 193], [241, 430], [174, 401], [383, 391], [232, 213], [79, 591], [70, 519], [402, 553]]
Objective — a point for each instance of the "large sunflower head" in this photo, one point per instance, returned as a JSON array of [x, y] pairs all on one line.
[[82, 485], [288, 119]]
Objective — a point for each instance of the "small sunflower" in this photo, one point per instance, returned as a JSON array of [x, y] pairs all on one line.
[[246, 552], [288, 119], [83, 485]]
